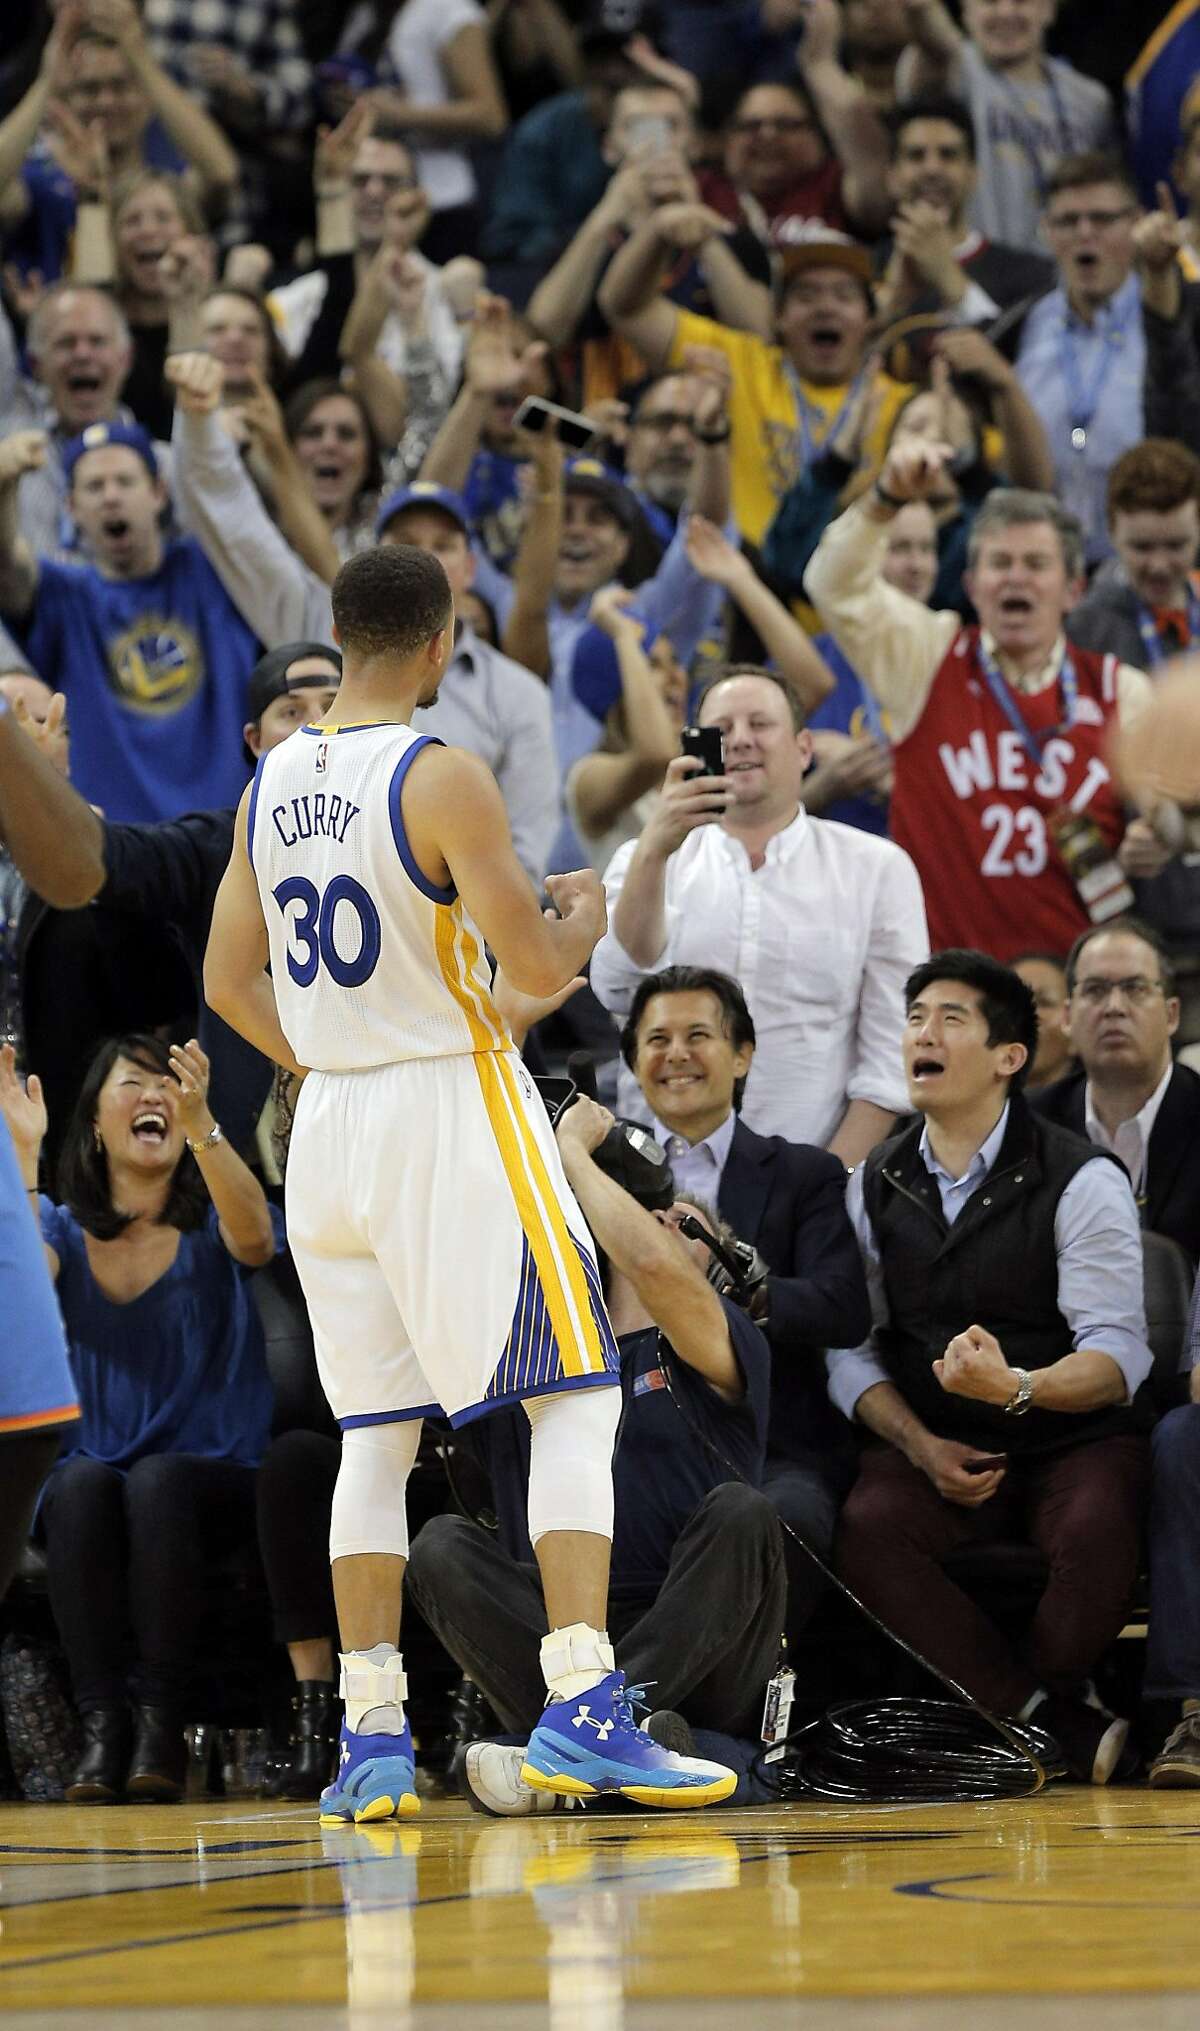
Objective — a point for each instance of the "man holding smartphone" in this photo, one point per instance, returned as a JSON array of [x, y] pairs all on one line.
[[1000, 1390]]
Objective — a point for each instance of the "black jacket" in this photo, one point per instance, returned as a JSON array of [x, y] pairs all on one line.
[[789, 1200], [1170, 1202], [996, 1266], [168, 874]]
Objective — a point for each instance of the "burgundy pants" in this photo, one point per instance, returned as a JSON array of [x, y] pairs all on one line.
[[1082, 1509]]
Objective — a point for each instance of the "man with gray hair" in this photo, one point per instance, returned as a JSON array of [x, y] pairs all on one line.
[[1003, 795]]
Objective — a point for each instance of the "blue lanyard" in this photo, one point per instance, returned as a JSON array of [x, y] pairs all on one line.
[[1084, 401], [1152, 640], [1026, 133], [1033, 744], [805, 410]]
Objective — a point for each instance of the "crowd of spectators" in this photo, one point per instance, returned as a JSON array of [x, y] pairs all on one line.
[[823, 375]]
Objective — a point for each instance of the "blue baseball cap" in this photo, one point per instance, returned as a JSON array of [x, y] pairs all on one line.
[[98, 435], [424, 494], [592, 476], [595, 672]]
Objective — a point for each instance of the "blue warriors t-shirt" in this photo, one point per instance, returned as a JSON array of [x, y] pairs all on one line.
[[849, 708], [154, 670]]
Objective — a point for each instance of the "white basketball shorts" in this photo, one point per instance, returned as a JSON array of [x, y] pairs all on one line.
[[444, 1260]]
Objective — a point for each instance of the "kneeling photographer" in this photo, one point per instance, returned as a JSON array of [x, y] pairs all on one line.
[[698, 1586]]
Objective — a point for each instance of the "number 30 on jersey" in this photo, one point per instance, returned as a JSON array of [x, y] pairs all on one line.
[[315, 929]]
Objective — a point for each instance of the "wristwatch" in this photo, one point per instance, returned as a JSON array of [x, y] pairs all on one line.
[[210, 1141], [1022, 1396]]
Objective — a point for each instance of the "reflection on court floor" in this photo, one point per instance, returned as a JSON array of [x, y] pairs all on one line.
[[591, 1922]]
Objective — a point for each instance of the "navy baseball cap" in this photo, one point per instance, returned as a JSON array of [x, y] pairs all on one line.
[[424, 494], [592, 476], [97, 435]]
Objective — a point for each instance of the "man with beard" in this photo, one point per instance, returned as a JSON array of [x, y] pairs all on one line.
[[937, 260], [786, 398]]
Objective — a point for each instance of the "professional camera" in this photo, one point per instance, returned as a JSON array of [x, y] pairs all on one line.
[[631, 1157]]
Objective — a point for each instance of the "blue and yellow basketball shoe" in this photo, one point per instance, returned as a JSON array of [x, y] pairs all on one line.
[[591, 1745], [375, 1779]]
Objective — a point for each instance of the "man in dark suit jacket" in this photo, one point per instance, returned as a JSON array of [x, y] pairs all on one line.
[[1130, 1097], [689, 1041]]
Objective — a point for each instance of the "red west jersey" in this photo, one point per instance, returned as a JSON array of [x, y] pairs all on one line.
[[971, 804]]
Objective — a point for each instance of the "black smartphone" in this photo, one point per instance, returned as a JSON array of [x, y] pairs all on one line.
[[986, 1465], [707, 744], [574, 431]]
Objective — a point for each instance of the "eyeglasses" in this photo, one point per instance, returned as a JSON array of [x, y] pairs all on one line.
[[1070, 222], [1136, 990], [783, 123], [666, 419], [361, 178]]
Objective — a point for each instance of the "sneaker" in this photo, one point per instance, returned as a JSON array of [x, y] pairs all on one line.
[[591, 1745], [375, 1779], [489, 1777], [1094, 1743], [1177, 1763]]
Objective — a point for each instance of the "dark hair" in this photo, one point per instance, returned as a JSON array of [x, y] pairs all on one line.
[[1125, 927], [1054, 959], [932, 106], [1008, 1006], [299, 407], [1157, 474], [390, 601], [1076, 172], [83, 1177], [725, 672], [737, 1023]]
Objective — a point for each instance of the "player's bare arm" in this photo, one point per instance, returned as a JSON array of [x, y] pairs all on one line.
[[237, 986], [458, 830]]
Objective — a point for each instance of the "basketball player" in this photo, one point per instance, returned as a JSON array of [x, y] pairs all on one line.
[[445, 1261], [54, 839]]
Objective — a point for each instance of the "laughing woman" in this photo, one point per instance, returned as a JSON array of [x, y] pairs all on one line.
[[151, 1250]]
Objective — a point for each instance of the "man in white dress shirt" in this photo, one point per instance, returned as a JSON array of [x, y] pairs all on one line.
[[818, 922]]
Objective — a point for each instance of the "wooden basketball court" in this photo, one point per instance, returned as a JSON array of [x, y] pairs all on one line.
[[1078, 1908]]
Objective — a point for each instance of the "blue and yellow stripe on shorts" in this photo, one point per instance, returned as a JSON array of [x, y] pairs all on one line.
[[560, 1321]]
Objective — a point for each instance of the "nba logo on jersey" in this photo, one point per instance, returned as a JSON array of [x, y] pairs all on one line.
[[322, 757]]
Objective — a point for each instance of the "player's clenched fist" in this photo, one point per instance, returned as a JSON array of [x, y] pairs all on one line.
[[24, 451], [580, 897], [198, 381]]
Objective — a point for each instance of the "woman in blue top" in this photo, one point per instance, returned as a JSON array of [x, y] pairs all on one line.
[[150, 1252]]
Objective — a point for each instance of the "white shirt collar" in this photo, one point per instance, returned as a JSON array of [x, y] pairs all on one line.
[[1131, 1139], [780, 846], [1035, 681]]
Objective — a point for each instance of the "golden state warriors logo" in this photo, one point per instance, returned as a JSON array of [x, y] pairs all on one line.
[[157, 665]]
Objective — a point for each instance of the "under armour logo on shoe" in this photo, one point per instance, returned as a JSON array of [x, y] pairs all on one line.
[[344, 1754], [603, 1728]]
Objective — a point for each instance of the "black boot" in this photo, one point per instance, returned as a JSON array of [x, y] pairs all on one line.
[[305, 1767], [99, 1775], [159, 1766]]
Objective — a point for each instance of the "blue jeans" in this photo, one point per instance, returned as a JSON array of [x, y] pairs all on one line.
[[1173, 1651]]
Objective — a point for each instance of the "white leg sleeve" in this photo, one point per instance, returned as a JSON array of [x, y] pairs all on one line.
[[369, 1513], [570, 1460]]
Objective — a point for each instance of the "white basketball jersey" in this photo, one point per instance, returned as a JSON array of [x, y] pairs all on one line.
[[370, 962]]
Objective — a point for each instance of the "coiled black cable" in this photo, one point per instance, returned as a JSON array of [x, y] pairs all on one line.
[[895, 1750]]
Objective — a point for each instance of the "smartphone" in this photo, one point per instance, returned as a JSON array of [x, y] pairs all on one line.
[[986, 1465], [574, 431], [707, 744], [651, 135]]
